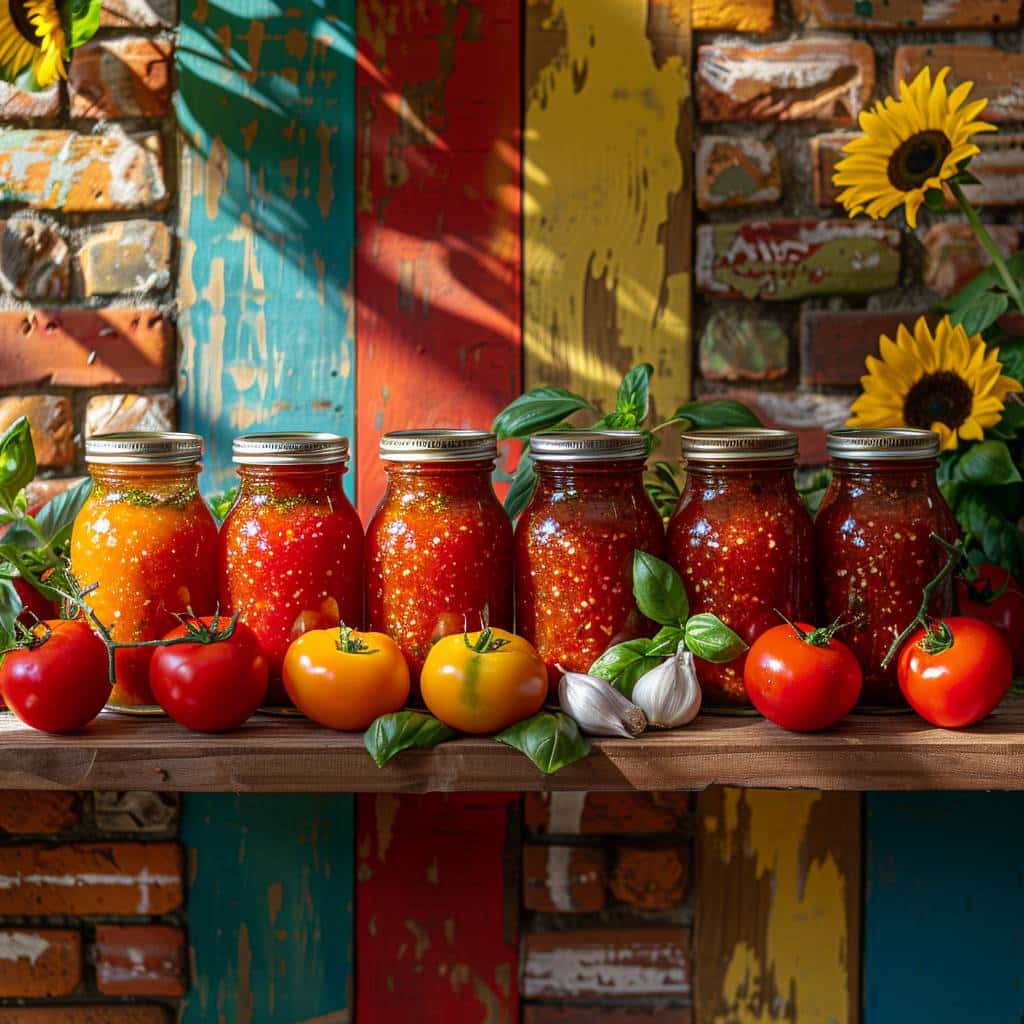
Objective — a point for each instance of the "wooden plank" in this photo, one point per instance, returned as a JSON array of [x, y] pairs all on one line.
[[778, 915], [607, 209], [944, 912], [270, 888], [438, 261], [270, 755], [265, 104], [436, 913]]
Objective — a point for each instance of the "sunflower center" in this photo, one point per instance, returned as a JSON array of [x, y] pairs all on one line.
[[918, 158], [19, 16], [943, 397]]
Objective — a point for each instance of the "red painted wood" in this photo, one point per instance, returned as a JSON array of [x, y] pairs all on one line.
[[436, 914], [438, 257]]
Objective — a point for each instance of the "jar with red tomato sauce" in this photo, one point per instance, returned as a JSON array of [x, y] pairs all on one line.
[[575, 543], [291, 547], [874, 549], [742, 541], [147, 540], [439, 546]]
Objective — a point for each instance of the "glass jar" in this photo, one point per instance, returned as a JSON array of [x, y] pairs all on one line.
[[874, 549], [439, 546], [743, 542], [575, 544], [147, 539], [291, 547]]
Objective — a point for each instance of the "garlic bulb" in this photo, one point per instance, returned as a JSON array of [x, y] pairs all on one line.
[[669, 695], [598, 708]]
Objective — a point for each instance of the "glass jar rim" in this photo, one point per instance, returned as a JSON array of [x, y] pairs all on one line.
[[889, 443], [294, 448], [144, 447], [738, 444], [588, 446], [438, 444]]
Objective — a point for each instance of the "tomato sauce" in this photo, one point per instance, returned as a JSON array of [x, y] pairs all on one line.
[[291, 547], [874, 547], [439, 546], [146, 537], [575, 543], [743, 542]]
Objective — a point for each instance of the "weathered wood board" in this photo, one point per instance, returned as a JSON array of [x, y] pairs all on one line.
[[266, 109], [778, 910], [270, 899]]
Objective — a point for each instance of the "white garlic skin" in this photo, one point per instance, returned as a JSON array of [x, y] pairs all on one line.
[[669, 695], [598, 708]]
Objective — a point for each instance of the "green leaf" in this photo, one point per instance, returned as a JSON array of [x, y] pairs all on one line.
[[716, 412], [220, 504], [708, 637], [537, 410], [979, 284], [391, 734], [10, 609], [1011, 355], [935, 200], [659, 590], [523, 485], [550, 739], [17, 461], [666, 641], [617, 659], [633, 399], [82, 21], [58, 515], [984, 311], [988, 463]]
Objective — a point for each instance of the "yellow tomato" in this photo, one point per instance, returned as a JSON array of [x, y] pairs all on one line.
[[345, 679], [483, 682]]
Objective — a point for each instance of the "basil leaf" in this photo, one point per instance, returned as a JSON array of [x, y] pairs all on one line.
[[523, 485], [633, 400], [623, 664], [717, 412], [17, 460], [708, 637], [58, 515], [550, 739], [81, 21], [988, 463], [666, 642], [10, 609], [659, 590], [220, 504], [535, 411], [391, 734]]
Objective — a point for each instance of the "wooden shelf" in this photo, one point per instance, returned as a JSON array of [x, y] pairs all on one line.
[[290, 754]]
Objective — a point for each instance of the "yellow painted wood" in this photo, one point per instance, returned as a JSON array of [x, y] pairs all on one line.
[[778, 908], [607, 203], [735, 15]]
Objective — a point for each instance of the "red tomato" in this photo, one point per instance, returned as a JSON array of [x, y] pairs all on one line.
[[995, 597], [962, 684], [210, 687], [801, 682], [61, 685]]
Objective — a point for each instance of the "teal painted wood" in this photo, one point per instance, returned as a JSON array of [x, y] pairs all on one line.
[[269, 908], [266, 105], [944, 912]]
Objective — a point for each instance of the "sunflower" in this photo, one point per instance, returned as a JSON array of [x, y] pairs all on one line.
[[949, 383], [909, 146], [32, 36]]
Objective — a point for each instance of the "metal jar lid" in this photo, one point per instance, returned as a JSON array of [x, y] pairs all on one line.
[[896, 443], [288, 449], [438, 445], [588, 446], [738, 444], [142, 447]]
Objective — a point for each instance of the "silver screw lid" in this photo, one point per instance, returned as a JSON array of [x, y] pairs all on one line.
[[894, 443], [588, 446], [438, 445], [287, 449], [738, 444], [141, 447]]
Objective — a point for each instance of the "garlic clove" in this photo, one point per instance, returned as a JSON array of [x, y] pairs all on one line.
[[670, 695], [598, 708]]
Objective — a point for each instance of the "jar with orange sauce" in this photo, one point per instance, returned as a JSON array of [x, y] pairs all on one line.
[[147, 540]]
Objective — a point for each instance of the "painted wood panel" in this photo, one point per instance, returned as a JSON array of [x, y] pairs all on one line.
[[607, 194], [778, 909], [270, 908], [266, 108], [438, 262], [944, 912], [437, 908]]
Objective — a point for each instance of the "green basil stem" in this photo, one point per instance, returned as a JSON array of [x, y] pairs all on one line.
[[988, 244]]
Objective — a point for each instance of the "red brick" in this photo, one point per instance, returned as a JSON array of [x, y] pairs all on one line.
[[999, 168], [91, 1014], [17, 105], [39, 963], [650, 878], [40, 491], [534, 1014], [907, 15], [25, 812], [91, 878], [806, 79], [599, 813], [139, 13], [607, 962], [826, 152], [953, 255], [733, 15], [86, 348], [129, 77], [53, 428], [106, 414], [35, 260], [834, 344], [140, 960], [126, 256], [996, 74], [736, 171], [563, 879]]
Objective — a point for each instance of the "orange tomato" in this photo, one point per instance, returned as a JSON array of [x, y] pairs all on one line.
[[483, 682], [343, 678]]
